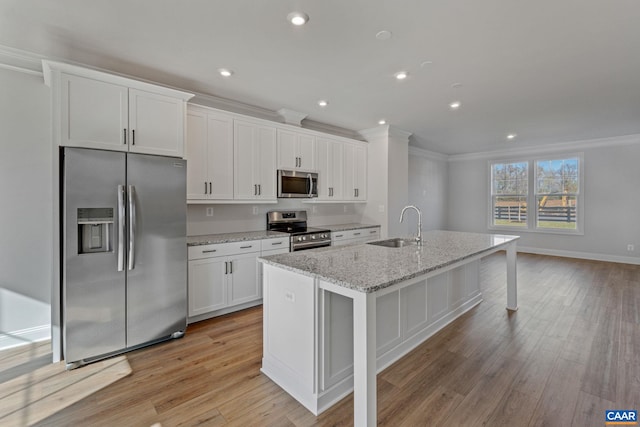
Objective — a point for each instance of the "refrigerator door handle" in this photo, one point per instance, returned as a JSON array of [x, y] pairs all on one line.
[[121, 225], [132, 227]]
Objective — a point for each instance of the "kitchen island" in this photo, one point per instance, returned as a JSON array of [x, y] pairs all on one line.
[[334, 317]]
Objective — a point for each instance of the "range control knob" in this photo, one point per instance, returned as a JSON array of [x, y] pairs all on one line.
[[313, 237]]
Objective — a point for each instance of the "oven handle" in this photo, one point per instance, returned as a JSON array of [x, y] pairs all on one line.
[[310, 245], [310, 184]]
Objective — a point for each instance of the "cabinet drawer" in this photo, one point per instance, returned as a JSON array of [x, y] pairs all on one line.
[[223, 249], [272, 244]]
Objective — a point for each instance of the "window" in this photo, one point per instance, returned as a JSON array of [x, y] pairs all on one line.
[[509, 193], [537, 195]]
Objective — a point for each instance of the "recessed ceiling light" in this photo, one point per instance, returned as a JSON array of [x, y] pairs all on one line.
[[401, 75], [298, 18], [455, 105], [511, 136], [323, 103], [224, 72], [382, 122], [383, 35]]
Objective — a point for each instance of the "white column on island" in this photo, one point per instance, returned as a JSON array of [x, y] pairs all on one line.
[[512, 294], [364, 359]]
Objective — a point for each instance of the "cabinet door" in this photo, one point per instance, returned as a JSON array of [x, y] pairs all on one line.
[[307, 152], [93, 114], [265, 152], [220, 156], [287, 150], [243, 279], [196, 154], [207, 285], [349, 184], [336, 159], [157, 124], [325, 168], [360, 172], [244, 183]]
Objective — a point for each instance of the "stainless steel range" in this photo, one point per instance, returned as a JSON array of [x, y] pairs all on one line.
[[301, 236]]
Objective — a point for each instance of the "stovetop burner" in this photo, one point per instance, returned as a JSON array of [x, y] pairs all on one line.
[[295, 223]]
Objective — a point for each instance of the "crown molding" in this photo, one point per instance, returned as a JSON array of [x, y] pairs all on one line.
[[551, 148], [292, 117], [233, 106], [421, 152], [331, 129], [20, 61], [384, 131]]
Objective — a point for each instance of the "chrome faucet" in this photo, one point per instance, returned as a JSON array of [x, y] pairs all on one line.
[[419, 236]]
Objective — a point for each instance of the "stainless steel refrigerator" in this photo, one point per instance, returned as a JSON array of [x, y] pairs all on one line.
[[124, 270]]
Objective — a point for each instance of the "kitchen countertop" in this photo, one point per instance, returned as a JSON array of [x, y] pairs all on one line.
[[369, 268], [345, 227], [210, 239]]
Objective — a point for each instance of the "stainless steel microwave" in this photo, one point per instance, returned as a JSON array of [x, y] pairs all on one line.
[[297, 184]]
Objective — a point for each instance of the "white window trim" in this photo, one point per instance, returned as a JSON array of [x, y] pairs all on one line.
[[532, 216]]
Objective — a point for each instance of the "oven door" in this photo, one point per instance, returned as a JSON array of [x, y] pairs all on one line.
[[297, 184]]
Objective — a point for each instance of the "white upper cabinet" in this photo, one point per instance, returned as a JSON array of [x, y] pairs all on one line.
[[93, 109], [94, 114], [254, 161], [156, 124], [355, 172], [209, 154], [296, 150], [330, 156]]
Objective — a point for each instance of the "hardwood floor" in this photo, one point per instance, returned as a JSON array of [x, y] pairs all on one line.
[[570, 352]]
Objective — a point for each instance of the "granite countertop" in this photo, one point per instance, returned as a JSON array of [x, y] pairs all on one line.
[[210, 239], [345, 227], [368, 268]]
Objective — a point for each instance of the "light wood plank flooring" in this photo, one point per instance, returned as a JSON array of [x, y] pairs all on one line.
[[569, 353]]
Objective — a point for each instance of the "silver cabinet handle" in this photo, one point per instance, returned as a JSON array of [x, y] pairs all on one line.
[[205, 187], [132, 227], [209, 251], [210, 192], [246, 247], [338, 235], [226, 267], [133, 137], [356, 234], [230, 267], [124, 133], [255, 189], [259, 189], [373, 231], [276, 243], [121, 225], [355, 193]]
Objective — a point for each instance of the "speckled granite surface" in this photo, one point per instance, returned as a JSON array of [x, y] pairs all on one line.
[[368, 268], [345, 227], [233, 237]]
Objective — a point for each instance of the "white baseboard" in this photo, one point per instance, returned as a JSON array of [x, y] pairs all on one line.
[[580, 255], [24, 336]]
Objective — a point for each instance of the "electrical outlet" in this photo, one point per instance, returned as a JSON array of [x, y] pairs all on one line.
[[380, 208], [631, 248], [209, 212], [255, 210]]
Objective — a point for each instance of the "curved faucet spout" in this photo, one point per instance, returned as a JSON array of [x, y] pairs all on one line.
[[419, 236]]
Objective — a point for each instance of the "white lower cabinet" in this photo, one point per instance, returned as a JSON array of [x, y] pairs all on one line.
[[226, 277], [351, 237]]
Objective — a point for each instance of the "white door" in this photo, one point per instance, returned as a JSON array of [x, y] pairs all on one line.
[[325, 168], [157, 124], [265, 159], [94, 114], [245, 186], [360, 172], [197, 157], [207, 285], [220, 156], [243, 279], [349, 184]]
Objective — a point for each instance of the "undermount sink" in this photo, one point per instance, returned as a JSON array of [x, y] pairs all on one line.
[[394, 243]]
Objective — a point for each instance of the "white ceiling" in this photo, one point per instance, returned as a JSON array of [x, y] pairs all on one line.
[[549, 70]]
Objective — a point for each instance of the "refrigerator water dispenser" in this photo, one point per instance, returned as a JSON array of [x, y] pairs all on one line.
[[95, 228]]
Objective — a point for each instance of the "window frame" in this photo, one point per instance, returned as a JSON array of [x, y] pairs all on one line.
[[532, 214]]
